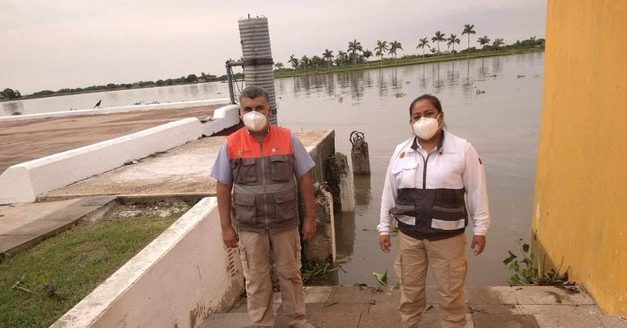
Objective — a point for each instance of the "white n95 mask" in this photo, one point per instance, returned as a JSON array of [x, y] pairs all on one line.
[[254, 121], [426, 127]]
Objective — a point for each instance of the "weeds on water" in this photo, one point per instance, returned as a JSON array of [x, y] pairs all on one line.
[[381, 278], [313, 270]]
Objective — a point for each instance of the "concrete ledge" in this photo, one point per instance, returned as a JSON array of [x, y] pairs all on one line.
[[119, 109], [320, 151], [23, 182], [23, 226], [176, 281], [223, 118]]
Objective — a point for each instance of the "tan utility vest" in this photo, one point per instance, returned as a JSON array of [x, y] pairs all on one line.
[[264, 188]]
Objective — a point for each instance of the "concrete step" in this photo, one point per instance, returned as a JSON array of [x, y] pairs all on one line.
[[488, 307], [24, 225]]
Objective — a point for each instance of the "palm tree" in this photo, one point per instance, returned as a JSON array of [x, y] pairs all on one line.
[[395, 45], [341, 58], [439, 36], [468, 29], [293, 61], [328, 56], [305, 62], [483, 41], [498, 42], [422, 43], [367, 54], [316, 62], [278, 66], [381, 48], [354, 46], [452, 40]]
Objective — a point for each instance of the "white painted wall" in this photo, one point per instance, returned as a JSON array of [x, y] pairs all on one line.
[[223, 118], [119, 109], [178, 279], [22, 183]]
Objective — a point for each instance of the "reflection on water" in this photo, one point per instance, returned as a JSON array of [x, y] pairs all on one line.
[[363, 194], [501, 121], [484, 101], [345, 235], [13, 108], [198, 91]]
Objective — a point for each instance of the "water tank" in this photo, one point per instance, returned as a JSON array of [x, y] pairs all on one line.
[[257, 57]]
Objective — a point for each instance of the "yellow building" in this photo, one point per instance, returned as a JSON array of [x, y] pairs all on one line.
[[580, 218]]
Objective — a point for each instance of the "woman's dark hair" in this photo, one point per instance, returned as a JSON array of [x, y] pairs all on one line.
[[432, 99]]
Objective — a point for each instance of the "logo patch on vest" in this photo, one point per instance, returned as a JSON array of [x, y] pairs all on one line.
[[274, 149]]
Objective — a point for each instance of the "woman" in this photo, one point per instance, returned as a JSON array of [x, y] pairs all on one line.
[[424, 189]]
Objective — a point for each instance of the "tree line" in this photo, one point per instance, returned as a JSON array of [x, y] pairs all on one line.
[[354, 54], [357, 54], [11, 94]]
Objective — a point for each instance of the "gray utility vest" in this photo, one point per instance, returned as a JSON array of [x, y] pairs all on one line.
[[427, 205], [438, 212], [265, 194]]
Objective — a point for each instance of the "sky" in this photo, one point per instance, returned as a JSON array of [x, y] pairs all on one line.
[[54, 44]]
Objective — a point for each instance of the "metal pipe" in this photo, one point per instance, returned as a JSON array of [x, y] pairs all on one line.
[[229, 77]]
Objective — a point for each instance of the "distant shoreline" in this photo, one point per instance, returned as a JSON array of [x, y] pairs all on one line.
[[405, 61], [59, 94], [285, 73]]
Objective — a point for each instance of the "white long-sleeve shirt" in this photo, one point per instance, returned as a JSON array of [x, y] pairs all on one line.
[[454, 165]]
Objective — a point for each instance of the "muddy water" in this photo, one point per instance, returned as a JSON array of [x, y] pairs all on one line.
[[502, 123]]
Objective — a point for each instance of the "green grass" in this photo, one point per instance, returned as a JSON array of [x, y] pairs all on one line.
[[409, 60], [74, 262]]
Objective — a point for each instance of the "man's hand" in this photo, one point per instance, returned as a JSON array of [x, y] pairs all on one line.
[[229, 236], [309, 229], [385, 243], [478, 244], [305, 185]]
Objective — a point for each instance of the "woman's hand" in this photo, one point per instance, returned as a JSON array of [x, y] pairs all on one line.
[[478, 244], [385, 243]]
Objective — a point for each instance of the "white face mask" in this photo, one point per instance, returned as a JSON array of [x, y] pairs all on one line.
[[426, 127], [254, 121]]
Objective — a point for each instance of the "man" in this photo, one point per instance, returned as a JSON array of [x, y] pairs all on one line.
[[259, 162]]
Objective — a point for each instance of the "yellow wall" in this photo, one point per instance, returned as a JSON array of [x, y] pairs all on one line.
[[581, 190]]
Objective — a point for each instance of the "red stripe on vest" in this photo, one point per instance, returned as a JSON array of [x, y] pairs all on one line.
[[241, 144]]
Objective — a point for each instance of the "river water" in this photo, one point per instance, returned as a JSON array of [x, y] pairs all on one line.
[[492, 102]]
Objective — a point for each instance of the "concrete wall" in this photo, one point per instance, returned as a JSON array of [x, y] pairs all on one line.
[[119, 109], [320, 152], [323, 246], [223, 118], [23, 182], [581, 191], [176, 281]]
